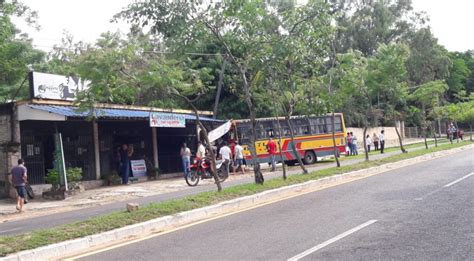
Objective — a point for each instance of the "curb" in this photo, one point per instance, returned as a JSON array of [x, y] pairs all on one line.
[[81, 245]]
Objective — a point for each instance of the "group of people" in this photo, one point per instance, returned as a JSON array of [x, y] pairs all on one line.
[[378, 141], [225, 153]]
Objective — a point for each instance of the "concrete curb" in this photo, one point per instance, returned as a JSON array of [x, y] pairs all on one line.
[[81, 245]]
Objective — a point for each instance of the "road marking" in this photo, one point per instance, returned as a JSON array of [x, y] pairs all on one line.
[[445, 186], [10, 230], [458, 180], [160, 233], [332, 240]]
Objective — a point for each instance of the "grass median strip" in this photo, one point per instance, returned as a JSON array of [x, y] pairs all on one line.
[[38, 238]]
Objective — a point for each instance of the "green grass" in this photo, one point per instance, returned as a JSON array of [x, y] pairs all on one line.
[[407, 147], [31, 240]]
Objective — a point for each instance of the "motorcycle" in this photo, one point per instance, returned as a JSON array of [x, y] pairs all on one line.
[[201, 169]]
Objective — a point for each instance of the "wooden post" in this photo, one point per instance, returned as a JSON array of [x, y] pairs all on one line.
[[155, 146], [95, 134]]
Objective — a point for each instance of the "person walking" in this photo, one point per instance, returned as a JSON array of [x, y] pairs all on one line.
[[368, 141], [271, 149], [375, 139], [382, 141], [354, 144], [185, 154], [239, 157], [125, 154], [226, 154], [349, 143], [19, 179]]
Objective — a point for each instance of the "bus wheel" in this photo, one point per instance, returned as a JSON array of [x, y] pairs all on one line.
[[309, 157]]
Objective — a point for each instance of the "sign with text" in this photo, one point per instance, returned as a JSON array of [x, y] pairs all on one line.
[[56, 87], [219, 131], [138, 168], [167, 120]]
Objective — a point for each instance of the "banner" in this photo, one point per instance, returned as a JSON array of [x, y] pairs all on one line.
[[60, 164], [219, 131], [56, 87], [138, 168], [167, 120]]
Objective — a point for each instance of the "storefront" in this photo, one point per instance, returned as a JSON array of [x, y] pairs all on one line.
[[90, 139], [92, 144]]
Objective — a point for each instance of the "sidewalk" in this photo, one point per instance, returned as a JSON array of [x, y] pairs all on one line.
[[107, 199]]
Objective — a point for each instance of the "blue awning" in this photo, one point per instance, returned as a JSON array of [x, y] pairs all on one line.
[[107, 113]]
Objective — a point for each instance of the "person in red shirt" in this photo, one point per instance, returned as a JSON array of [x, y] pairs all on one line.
[[271, 148]]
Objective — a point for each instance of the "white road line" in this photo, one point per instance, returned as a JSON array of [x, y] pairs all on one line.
[[332, 240], [458, 180], [10, 230]]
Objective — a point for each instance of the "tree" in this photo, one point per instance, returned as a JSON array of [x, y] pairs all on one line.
[[387, 80], [236, 26], [363, 25], [458, 78], [428, 60], [17, 55], [428, 97]]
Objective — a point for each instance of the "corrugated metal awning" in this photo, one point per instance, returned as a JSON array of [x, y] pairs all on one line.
[[107, 113]]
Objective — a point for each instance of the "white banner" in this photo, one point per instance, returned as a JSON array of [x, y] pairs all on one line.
[[167, 120], [219, 131], [56, 87]]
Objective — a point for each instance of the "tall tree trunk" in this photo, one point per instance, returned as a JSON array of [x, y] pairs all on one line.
[[457, 131], [279, 129], [470, 128], [435, 138], [279, 148], [366, 151], [400, 138], [206, 138], [439, 127], [335, 150], [248, 99], [425, 133], [293, 146], [220, 83]]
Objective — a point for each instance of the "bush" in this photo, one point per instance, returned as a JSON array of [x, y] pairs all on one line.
[[74, 175]]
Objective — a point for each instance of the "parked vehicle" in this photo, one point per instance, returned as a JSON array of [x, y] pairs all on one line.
[[312, 137], [201, 169]]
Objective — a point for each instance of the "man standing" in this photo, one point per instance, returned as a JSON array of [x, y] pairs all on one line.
[[271, 148], [19, 180], [125, 154], [226, 154], [239, 157], [382, 141], [186, 158]]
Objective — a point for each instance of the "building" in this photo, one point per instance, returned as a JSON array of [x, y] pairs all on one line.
[[27, 130]]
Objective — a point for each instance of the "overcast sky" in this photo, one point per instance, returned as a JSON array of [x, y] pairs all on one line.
[[451, 21]]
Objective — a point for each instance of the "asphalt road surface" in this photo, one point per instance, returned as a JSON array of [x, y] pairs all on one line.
[[48, 221], [420, 212]]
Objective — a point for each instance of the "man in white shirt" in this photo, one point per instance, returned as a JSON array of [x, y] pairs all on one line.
[[201, 151], [382, 141], [186, 158], [239, 157], [225, 155]]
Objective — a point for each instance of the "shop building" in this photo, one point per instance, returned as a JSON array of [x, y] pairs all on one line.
[[27, 130]]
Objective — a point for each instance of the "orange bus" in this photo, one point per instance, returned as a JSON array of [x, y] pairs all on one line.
[[312, 137]]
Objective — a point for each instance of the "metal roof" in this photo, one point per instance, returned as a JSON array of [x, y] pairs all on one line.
[[107, 113]]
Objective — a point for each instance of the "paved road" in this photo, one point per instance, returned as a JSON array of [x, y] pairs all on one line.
[[421, 212], [48, 221]]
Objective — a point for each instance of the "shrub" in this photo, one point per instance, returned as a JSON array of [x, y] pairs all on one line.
[[74, 175]]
